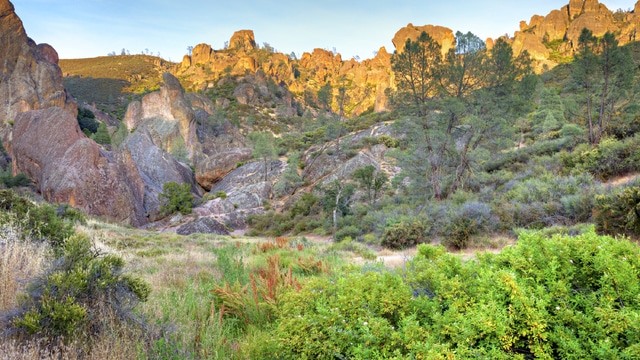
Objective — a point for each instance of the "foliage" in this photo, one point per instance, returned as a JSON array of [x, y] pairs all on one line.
[[404, 234], [610, 157], [69, 301], [10, 181], [37, 221], [178, 198], [352, 315], [102, 136], [467, 220], [371, 181], [618, 212], [556, 297], [87, 120]]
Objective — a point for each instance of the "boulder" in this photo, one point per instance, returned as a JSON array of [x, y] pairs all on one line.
[[575, 8], [66, 166], [215, 167], [598, 22], [203, 225]]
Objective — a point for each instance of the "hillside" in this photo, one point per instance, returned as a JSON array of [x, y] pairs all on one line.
[[111, 82]]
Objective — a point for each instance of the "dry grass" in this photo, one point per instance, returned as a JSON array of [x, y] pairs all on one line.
[[19, 262]]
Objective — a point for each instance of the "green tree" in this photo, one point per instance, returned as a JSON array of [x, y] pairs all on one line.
[[604, 73], [371, 181], [264, 149], [87, 120], [290, 180], [325, 96], [102, 135], [455, 107], [178, 198]]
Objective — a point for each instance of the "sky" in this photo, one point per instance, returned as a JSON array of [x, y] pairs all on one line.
[[90, 28]]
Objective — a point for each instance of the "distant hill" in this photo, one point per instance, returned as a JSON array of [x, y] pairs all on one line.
[[111, 82]]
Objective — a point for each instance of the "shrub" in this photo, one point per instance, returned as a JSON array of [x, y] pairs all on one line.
[[70, 301], [87, 120], [349, 231], [178, 198], [10, 181], [37, 221], [618, 213], [464, 222], [404, 234]]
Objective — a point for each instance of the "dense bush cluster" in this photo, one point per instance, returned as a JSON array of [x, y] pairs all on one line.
[[559, 297]]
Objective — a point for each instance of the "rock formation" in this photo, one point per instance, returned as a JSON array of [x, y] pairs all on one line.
[[367, 80], [555, 36], [30, 78], [66, 166], [442, 35]]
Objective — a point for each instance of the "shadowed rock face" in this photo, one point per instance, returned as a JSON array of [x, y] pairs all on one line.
[[30, 78], [68, 167]]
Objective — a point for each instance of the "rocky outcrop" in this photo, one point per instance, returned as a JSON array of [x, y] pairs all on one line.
[[555, 36], [172, 110], [243, 40], [30, 78], [203, 225], [66, 166], [215, 167], [155, 168], [270, 79], [442, 35], [246, 192]]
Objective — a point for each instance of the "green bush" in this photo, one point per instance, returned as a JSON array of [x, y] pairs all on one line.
[[350, 316], [349, 231], [550, 298], [466, 221], [87, 120], [71, 301], [9, 181], [38, 221], [618, 213], [404, 234], [178, 198]]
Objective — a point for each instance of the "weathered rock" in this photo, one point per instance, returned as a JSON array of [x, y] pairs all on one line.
[[215, 167], [171, 109], [30, 78], [598, 22], [575, 8], [66, 166], [156, 167], [201, 54], [243, 39], [524, 41], [442, 35], [203, 225]]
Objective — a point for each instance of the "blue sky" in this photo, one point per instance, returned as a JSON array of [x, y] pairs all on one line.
[[88, 28]]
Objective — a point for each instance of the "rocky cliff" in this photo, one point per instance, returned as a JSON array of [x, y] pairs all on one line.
[[364, 81], [553, 38], [30, 78]]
